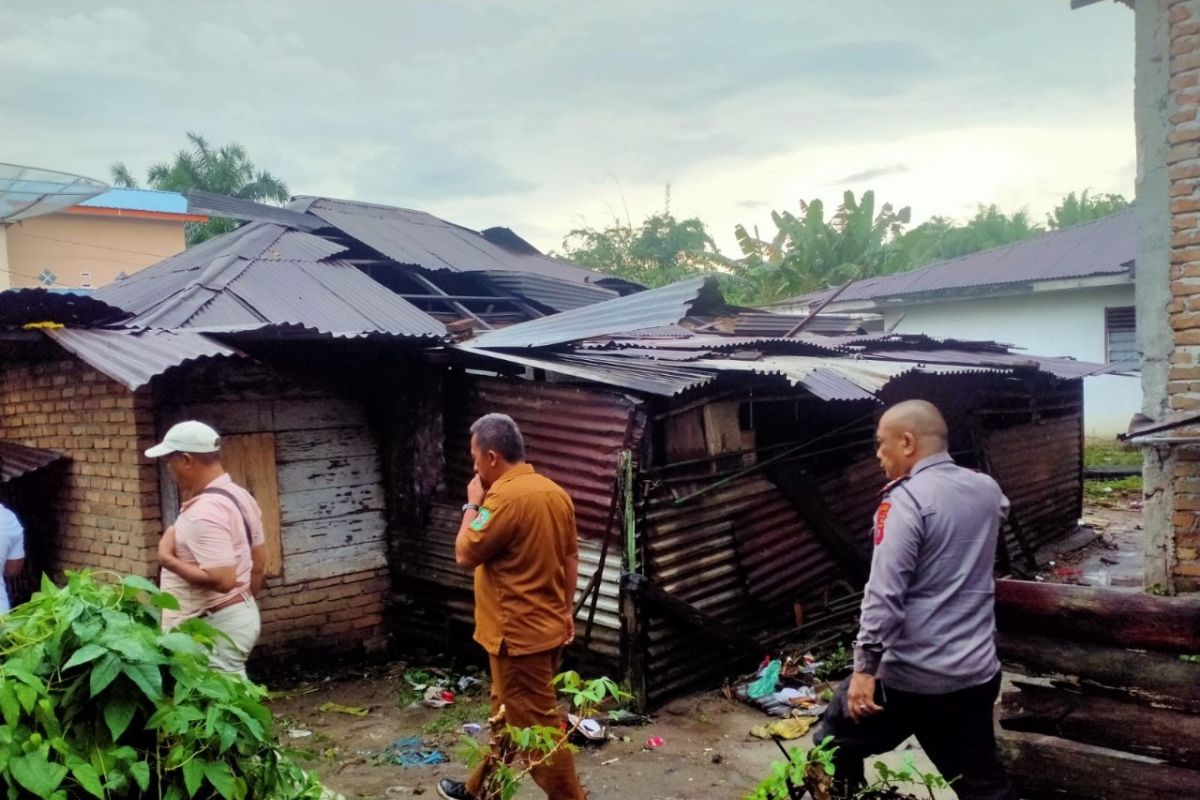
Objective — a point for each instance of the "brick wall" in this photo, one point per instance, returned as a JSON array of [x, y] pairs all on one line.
[[344, 612], [108, 515], [1183, 387]]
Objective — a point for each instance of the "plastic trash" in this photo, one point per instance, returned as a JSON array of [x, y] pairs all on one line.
[[654, 742], [766, 683]]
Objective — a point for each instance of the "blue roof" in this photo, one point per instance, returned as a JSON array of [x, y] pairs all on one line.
[[140, 200]]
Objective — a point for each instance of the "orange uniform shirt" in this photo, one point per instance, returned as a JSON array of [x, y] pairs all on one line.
[[522, 537]]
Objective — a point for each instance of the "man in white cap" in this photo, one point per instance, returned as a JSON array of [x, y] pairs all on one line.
[[212, 557]]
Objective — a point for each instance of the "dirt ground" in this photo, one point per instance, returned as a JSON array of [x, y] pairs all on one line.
[[707, 751]]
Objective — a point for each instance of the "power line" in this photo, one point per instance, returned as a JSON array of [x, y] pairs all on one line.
[[99, 246]]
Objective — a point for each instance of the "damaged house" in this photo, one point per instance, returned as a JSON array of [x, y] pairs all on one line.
[[721, 461], [724, 484]]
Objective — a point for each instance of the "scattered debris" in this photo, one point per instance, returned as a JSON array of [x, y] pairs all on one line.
[[654, 742], [412, 751], [790, 728], [610, 761], [437, 697], [472, 728], [298, 733]]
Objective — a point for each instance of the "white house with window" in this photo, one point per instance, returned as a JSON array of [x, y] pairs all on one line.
[[1063, 293]]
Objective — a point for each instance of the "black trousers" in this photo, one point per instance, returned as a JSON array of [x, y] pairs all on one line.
[[956, 731]]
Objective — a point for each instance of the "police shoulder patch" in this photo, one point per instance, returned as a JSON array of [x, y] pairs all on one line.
[[880, 518], [480, 522]]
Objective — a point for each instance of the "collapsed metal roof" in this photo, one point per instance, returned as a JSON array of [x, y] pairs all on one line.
[[666, 305], [135, 357], [415, 237], [264, 272], [1104, 246]]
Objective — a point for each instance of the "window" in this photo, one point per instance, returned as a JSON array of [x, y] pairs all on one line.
[[1120, 337], [85, 280]]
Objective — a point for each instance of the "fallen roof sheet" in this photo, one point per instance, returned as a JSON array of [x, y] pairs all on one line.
[[18, 459], [415, 237], [554, 293], [135, 357], [653, 378], [25, 306], [1140, 426], [766, 323], [263, 272], [236, 208], [1102, 247], [666, 305]]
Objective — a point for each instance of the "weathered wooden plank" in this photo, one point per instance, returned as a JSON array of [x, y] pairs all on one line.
[[313, 413], [324, 534], [1150, 677], [299, 476], [1130, 726], [227, 417], [250, 460], [331, 502], [329, 443], [333, 562], [1046, 766], [1099, 616]]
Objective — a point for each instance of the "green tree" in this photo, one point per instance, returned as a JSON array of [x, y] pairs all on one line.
[[661, 250], [227, 170], [940, 238], [807, 252], [1083, 207]]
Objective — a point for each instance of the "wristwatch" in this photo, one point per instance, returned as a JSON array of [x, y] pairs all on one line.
[[470, 507]]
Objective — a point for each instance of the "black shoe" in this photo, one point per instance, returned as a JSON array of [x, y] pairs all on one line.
[[453, 790]]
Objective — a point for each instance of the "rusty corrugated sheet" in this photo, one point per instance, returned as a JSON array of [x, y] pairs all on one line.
[[667, 305], [740, 553], [572, 435], [17, 460], [765, 323], [135, 357]]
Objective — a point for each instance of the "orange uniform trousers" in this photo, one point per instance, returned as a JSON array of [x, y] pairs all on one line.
[[522, 684]]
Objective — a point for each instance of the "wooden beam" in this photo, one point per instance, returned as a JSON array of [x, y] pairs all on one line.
[[1129, 726], [1147, 677], [689, 614], [1045, 766], [799, 326], [1099, 616]]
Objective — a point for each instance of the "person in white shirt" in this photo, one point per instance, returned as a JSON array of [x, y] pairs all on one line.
[[12, 551]]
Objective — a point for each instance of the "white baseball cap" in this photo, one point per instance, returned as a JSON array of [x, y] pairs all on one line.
[[187, 437]]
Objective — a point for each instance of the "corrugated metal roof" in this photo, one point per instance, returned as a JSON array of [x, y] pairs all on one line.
[[134, 357], [1067, 368], [18, 459], [1102, 247], [236, 208], [415, 237], [663, 306], [765, 323], [23, 306], [263, 272], [653, 377], [553, 293], [140, 200]]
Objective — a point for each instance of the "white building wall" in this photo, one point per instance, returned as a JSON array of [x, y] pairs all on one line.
[[1062, 323]]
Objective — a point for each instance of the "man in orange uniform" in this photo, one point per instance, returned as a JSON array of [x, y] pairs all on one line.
[[518, 533]]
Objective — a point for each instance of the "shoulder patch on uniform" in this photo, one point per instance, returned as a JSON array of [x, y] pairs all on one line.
[[480, 522], [880, 518]]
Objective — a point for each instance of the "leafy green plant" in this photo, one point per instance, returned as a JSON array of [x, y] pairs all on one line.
[[835, 663], [789, 778], [890, 780], [512, 753], [98, 701]]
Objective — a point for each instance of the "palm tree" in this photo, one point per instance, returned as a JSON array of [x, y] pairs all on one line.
[[227, 171]]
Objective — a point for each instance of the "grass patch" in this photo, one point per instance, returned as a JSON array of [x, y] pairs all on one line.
[[1105, 452], [1114, 489], [453, 717]]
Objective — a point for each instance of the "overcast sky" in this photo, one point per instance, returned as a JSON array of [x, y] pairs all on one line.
[[545, 116]]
